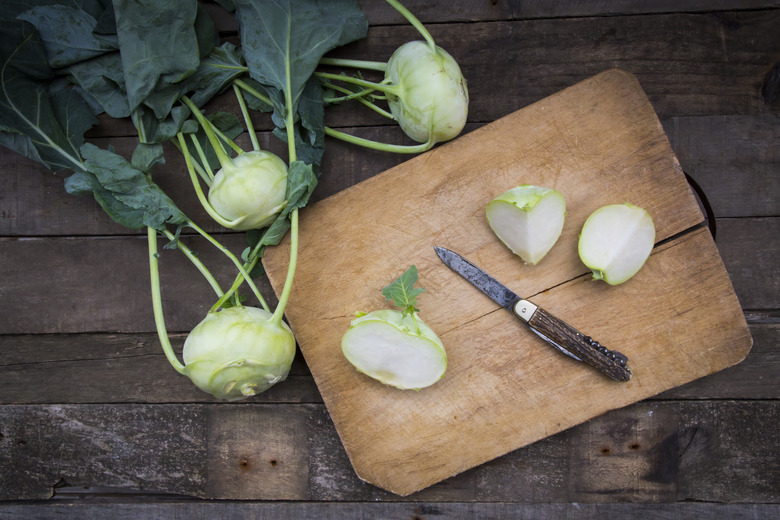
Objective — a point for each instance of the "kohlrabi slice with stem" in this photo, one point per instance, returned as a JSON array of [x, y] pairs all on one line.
[[396, 347], [615, 242], [238, 352], [528, 220]]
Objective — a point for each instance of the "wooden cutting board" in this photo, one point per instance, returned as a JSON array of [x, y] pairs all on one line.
[[598, 142]]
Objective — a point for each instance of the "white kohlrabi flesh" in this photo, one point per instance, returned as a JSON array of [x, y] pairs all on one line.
[[528, 220], [238, 352], [432, 101], [251, 190], [398, 350], [615, 242]]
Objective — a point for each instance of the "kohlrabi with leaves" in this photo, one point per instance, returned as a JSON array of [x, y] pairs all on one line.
[[528, 220], [156, 63], [393, 346], [423, 85], [616, 241]]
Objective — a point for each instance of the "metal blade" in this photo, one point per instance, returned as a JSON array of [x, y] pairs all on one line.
[[494, 289]]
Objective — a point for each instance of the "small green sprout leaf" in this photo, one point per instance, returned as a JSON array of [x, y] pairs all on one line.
[[402, 291]]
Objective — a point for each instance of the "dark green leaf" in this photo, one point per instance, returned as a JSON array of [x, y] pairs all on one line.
[[157, 43], [402, 291], [215, 73], [147, 155], [66, 33], [127, 194], [301, 182], [299, 32], [103, 79]]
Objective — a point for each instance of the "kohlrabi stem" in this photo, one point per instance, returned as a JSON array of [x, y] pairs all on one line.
[[253, 91], [380, 66], [356, 95], [390, 89], [205, 170], [222, 157], [159, 319], [196, 262], [375, 145], [199, 190], [289, 124], [248, 120], [288, 282], [415, 23], [235, 261]]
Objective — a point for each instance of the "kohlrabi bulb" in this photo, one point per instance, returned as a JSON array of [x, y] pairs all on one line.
[[254, 187], [238, 352], [397, 349], [432, 102]]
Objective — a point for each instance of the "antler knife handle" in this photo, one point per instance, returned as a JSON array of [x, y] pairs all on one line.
[[571, 341]]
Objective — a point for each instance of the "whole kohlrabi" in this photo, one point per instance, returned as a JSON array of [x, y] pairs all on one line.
[[238, 352], [423, 85]]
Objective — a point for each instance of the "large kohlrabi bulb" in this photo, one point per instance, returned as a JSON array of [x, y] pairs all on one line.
[[238, 352], [252, 188], [432, 101]]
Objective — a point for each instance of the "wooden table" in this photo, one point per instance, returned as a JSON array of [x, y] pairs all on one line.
[[94, 422]]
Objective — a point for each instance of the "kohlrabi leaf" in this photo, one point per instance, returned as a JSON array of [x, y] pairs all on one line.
[[127, 194], [301, 182], [310, 127], [67, 34], [53, 125], [215, 73], [102, 78], [402, 291], [277, 33], [158, 45]]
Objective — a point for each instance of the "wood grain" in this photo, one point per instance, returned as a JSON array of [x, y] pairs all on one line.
[[598, 142]]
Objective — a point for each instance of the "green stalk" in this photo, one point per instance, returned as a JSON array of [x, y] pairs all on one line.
[[159, 319], [222, 157], [235, 261], [199, 190], [290, 121], [389, 89], [375, 145], [205, 171], [196, 262], [249, 126], [253, 91], [358, 64], [415, 23], [207, 177], [359, 97]]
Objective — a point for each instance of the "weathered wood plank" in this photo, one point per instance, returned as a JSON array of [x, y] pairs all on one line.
[[131, 368], [733, 158], [659, 452], [102, 283], [363, 510]]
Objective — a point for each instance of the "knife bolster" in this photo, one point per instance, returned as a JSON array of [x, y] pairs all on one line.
[[525, 310]]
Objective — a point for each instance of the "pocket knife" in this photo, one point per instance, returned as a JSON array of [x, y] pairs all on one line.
[[554, 331]]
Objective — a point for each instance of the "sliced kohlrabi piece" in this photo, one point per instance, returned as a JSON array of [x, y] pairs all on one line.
[[615, 242], [528, 220], [396, 349]]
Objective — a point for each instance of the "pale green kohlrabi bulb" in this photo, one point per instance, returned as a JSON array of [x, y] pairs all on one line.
[[397, 349], [253, 188], [238, 352], [432, 101]]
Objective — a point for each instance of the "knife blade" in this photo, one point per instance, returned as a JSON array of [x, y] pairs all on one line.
[[554, 331]]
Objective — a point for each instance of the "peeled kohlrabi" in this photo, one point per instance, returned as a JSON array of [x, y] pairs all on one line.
[[238, 352], [396, 347], [615, 242], [528, 220], [250, 190]]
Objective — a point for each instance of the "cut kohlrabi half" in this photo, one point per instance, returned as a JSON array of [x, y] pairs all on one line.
[[528, 220], [396, 349], [615, 242]]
